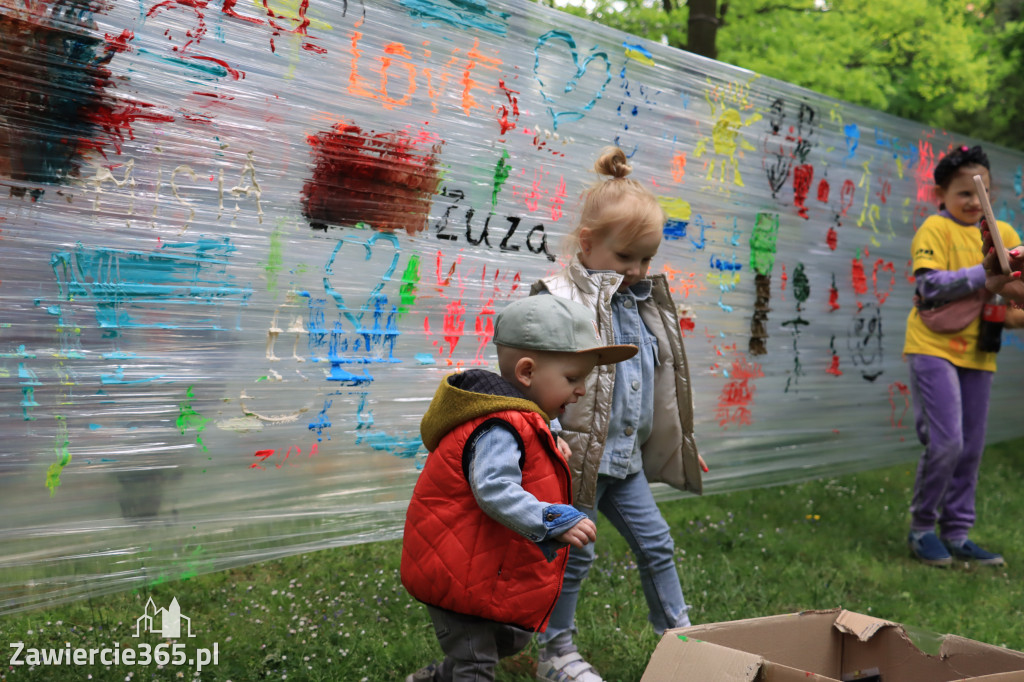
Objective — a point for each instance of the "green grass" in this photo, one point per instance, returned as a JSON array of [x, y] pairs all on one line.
[[343, 615]]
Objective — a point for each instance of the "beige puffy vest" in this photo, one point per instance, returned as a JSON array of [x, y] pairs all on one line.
[[670, 453]]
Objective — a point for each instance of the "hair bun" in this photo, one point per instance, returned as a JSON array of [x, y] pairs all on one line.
[[613, 162]]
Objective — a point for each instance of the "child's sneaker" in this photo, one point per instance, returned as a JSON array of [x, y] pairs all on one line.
[[928, 549], [568, 668], [968, 551], [424, 674]]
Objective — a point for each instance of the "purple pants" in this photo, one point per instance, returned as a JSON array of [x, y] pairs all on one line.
[[951, 411]]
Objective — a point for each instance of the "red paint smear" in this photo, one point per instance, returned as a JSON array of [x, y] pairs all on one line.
[[802, 177], [454, 324], [387, 179], [263, 455], [738, 393], [823, 189], [883, 194], [310, 47], [117, 121], [199, 118], [229, 9], [119, 43], [833, 298], [898, 388], [832, 238], [833, 368], [503, 121], [884, 267], [860, 282], [484, 325], [846, 195], [924, 172]]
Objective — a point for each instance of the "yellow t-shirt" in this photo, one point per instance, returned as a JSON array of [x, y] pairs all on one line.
[[944, 244]]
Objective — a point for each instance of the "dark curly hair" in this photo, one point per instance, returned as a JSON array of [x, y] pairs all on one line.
[[952, 162]]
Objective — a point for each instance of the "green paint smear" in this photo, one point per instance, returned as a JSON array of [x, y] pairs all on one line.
[[190, 419], [501, 173], [63, 457], [410, 278], [275, 257], [801, 284]]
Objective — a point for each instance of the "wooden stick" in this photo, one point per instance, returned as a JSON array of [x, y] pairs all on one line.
[[993, 227]]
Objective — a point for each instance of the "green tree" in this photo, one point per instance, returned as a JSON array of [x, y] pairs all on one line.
[[953, 64]]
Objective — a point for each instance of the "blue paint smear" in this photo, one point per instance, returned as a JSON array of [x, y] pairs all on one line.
[[406, 447], [21, 353], [118, 378], [322, 423], [118, 281], [119, 355], [581, 69], [725, 266], [31, 379], [467, 14], [425, 358], [852, 133], [372, 341], [639, 48], [204, 67], [675, 229], [699, 245]]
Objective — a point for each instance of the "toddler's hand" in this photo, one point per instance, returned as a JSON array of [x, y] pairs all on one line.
[[579, 535], [564, 448]]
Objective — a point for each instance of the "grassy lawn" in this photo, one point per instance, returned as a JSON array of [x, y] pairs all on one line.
[[343, 615]]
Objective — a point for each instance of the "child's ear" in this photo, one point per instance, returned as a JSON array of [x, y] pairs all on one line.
[[939, 193], [525, 367], [586, 240]]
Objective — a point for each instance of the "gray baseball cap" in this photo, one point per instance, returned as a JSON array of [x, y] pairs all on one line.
[[549, 323]]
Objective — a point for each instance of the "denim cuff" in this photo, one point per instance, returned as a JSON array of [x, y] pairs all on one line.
[[558, 518]]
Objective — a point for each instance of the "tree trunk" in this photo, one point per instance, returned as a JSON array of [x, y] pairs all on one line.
[[702, 27]]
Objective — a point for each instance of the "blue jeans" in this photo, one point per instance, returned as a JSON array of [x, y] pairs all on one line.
[[629, 505]]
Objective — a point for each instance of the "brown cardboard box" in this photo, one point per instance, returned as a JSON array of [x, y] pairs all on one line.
[[821, 646]]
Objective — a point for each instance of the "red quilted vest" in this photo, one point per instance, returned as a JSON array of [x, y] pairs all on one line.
[[457, 558]]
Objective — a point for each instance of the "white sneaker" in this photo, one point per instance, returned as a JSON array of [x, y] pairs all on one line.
[[568, 668]]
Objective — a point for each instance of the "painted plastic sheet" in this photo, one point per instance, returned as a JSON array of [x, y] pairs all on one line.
[[242, 242]]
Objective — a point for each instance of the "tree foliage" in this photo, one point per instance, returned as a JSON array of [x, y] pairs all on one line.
[[953, 64]]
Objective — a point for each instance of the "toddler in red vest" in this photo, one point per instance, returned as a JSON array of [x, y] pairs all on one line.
[[491, 516]]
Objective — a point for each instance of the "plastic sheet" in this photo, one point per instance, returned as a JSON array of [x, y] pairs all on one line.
[[242, 242]]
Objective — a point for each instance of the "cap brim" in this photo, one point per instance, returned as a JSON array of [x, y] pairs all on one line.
[[609, 355]]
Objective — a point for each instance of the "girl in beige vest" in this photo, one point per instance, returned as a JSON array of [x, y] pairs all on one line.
[[635, 422]]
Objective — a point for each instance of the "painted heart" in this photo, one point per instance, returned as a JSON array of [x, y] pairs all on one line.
[[559, 48]]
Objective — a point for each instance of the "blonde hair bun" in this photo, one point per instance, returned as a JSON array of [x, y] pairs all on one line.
[[613, 162]]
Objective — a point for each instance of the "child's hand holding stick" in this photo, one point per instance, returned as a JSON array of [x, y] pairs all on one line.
[[993, 227]]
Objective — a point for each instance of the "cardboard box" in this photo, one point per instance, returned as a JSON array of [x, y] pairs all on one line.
[[821, 646]]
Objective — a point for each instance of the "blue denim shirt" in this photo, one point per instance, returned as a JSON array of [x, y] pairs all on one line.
[[497, 484], [631, 418]]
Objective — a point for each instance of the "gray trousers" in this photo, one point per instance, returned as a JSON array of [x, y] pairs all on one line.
[[951, 411], [472, 646]]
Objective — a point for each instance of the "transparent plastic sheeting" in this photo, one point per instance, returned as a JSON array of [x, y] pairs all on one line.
[[243, 241]]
